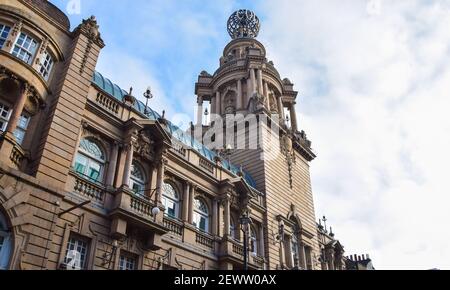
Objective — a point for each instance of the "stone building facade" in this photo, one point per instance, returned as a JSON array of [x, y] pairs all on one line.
[[91, 178]]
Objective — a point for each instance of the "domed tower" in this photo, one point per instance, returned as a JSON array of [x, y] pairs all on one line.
[[247, 84]]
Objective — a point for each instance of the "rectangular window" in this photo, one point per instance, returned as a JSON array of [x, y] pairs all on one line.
[[309, 260], [127, 262], [25, 48], [5, 114], [4, 32], [21, 129], [46, 65], [76, 254]]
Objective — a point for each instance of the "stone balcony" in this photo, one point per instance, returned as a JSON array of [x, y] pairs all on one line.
[[232, 251], [131, 210]]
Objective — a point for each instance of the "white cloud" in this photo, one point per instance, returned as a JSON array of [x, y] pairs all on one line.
[[373, 78]]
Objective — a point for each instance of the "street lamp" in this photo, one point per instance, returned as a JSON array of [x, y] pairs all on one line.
[[245, 222], [147, 95]]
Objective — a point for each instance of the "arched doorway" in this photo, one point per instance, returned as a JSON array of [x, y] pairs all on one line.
[[5, 243]]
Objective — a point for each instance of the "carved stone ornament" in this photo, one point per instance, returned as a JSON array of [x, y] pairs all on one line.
[[287, 149], [144, 146], [91, 29]]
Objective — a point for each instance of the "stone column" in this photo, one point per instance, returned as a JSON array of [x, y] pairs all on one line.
[[281, 110], [253, 81], [186, 202], [128, 163], [200, 111], [218, 103], [160, 179], [192, 190], [261, 241], [215, 217], [112, 165], [249, 93], [260, 82], [227, 216], [266, 95], [213, 106], [293, 118], [240, 101], [18, 109]]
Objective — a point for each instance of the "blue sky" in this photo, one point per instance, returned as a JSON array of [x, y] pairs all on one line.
[[161, 43], [373, 77]]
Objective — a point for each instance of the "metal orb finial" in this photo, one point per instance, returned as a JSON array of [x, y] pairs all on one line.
[[243, 23]]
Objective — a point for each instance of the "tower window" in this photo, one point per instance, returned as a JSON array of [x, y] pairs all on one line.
[[46, 65], [4, 32], [25, 48]]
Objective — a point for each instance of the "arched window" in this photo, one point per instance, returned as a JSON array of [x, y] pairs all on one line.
[[90, 160], [171, 201], [5, 244], [201, 215], [137, 179], [253, 241]]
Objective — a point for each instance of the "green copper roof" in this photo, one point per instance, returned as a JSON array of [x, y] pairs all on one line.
[[115, 91]]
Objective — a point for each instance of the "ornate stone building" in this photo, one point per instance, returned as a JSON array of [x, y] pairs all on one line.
[[91, 178]]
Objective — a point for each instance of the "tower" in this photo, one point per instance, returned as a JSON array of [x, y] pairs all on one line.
[[248, 87]]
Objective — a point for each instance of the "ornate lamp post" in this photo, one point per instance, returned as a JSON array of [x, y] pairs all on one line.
[[147, 95], [245, 222]]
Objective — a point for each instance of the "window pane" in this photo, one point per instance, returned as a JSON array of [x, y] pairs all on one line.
[[169, 191], [4, 31], [46, 65], [136, 172], [81, 164], [19, 134], [23, 122], [25, 48], [203, 224], [76, 254], [92, 149], [127, 263], [200, 206], [94, 171], [137, 187]]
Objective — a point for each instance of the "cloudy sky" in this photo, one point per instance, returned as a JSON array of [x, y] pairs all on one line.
[[373, 77]]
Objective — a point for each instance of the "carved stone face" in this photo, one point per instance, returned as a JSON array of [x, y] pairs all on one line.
[[287, 143]]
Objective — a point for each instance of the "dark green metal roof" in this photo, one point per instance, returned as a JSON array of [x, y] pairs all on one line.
[[116, 92]]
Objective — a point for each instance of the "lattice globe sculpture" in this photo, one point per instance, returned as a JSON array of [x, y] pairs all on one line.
[[243, 23]]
